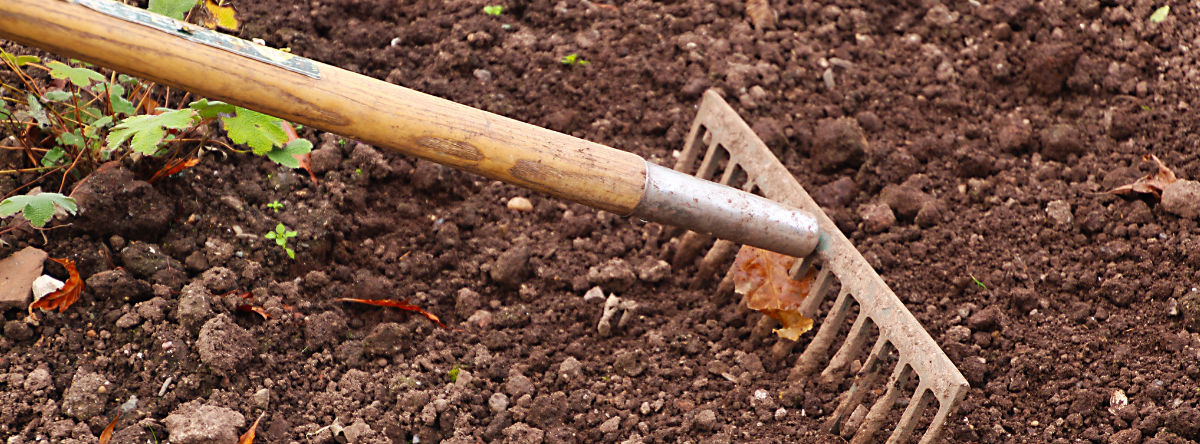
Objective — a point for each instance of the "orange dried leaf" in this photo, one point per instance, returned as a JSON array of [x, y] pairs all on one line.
[[248, 437], [65, 296], [304, 159], [403, 305], [762, 276], [107, 434], [255, 309], [1151, 184], [173, 167]]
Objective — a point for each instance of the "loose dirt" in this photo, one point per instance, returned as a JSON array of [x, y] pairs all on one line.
[[993, 131]]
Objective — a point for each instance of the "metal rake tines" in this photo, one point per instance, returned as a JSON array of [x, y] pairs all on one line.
[[920, 370]]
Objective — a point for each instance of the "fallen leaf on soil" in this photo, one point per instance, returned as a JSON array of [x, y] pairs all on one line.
[[66, 295], [220, 14], [762, 276], [255, 309], [173, 167], [304, 159], [248, 437], [1151, 184], [403, 305], [107, 434]]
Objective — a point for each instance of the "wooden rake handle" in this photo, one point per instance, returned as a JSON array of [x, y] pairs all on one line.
[[339, 101]]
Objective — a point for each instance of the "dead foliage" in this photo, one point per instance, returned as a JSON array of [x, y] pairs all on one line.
[[403, 305], [107, 434], [248, 437], [65, 296], [1151, 184], [762, 277]]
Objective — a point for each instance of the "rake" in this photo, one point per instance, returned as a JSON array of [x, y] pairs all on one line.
[[720, 138]]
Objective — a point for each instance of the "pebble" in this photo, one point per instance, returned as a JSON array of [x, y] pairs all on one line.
[[195, 422], [1061, 141], [836, 194], [1189, 307], [510, 267], [498, 402], [653, 270], [85, 399], [1059, 211], [839, 143], [987, 319], [520, 204], [706, 420], [876, 217], [611, 425], [594, 296], [1182, 197], [958, 333]]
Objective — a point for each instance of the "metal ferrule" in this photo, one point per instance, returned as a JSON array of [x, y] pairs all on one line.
[[674, 198]]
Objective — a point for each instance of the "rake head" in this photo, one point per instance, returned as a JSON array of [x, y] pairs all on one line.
[[903, 372]]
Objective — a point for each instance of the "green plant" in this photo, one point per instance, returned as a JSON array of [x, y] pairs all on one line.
[[574, 59], [275, 206], [977, 282], [37, 209], [493, 10], [281, 235], [454, 373]]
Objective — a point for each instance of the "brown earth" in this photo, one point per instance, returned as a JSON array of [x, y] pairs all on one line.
[[994, 131]]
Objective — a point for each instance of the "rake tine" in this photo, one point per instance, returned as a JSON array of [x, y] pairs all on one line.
[[879, 411], [908, 421], [863, 382], [851, 347], [818, 349]]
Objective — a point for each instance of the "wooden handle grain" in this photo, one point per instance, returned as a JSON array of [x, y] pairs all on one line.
[[342, 102]]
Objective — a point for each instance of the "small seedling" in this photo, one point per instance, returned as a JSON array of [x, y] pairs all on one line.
[[36, 209], [493, 10], [454, 373], [281, 235], [978, 283], [574, 59], [275, 206]]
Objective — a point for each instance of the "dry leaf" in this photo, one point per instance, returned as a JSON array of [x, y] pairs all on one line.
[[403, 305], [255, 309], [248, 437], [220, 14], [1151, 184], [66, 295], [107, 434], [304, 159], [762, 276], [761, 14], [174, 166]]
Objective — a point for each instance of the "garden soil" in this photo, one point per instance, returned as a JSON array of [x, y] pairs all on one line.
[[994, 131]]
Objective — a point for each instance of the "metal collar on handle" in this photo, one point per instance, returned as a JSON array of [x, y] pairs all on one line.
[[674, 198]]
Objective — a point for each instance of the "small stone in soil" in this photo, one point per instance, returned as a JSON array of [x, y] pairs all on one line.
[[1189, 309], [1059, 211], [323, 330], [143, 259], [1182, 197], [839, 143], [1061, 141], [653, 270], [224, 345], [520, 204], [194, 308], [876, 217], [987, 319], [836, 194], [386, 340], [87, 395], [630, 363], [219, 280], [521, 433], [197, 423], [518, 385], [595, 295], [615, 275], [706, 420], [18, 331], [510, 267]]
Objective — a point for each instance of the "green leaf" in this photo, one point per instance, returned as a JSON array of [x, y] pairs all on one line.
[[37, 209], [81, 77], [257, 130], [72, 139], [175, 9], [493, 10], [58, 96], [1160, 14], [126, 79], [209, 110], [291, 253], [119, 104], [19, 61], [36, 112], [54, 156], [286, 156], [4, 112], [148, 130]]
